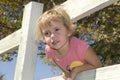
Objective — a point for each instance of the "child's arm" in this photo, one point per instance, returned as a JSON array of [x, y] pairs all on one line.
[[65, 73], [93, 62]]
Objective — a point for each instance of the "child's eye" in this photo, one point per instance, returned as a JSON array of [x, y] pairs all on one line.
[[57, 29], [47, 34]]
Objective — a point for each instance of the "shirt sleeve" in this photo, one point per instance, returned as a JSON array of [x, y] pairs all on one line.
[[82, 48]]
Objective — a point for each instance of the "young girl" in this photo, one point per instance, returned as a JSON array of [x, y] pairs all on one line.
[[72, 55]]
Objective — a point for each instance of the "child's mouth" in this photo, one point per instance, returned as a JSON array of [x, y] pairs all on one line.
[[55, 42]]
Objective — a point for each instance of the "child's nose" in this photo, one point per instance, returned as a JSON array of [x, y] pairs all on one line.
[[53, 35]]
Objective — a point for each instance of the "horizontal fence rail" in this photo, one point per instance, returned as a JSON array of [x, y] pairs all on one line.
[[104, 73], [79, 9], [10, 42]]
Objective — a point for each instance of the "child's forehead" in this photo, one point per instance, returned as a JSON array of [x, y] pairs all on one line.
[[52, 24]]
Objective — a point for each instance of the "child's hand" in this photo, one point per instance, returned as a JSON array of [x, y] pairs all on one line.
[[66, 75], [74, 72], [70, 75], [69, 79]]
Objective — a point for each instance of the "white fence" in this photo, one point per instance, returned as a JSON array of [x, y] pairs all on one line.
[[25, 40], [104, 73]]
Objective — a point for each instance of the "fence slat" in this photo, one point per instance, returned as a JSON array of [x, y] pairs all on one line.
[[26, 60], [10, 42], [78, 9]]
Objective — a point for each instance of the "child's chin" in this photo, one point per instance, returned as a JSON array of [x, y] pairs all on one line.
[[56, 48]]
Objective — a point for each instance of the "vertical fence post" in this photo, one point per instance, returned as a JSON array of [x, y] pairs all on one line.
[[26, 60]]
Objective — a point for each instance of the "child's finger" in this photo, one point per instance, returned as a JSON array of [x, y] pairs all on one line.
[[69, 79]]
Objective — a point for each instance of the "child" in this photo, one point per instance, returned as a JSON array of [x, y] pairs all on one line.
[[72, 55]]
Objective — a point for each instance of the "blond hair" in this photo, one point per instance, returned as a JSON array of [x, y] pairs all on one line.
[[58, 14]]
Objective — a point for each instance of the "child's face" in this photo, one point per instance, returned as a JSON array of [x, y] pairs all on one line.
[[56, 35]]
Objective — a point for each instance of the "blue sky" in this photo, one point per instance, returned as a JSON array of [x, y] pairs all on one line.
[[42, 71]]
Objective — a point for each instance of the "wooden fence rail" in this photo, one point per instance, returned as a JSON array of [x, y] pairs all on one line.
[[104, 73]]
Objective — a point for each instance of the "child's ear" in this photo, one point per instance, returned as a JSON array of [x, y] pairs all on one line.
[[69, 33]]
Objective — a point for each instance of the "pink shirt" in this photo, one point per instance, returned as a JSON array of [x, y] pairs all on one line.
[[74, 57]]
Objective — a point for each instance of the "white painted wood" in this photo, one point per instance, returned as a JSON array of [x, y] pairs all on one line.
[[79, 9], [10, 42], [104, 73], [55, 78], [26, 60]]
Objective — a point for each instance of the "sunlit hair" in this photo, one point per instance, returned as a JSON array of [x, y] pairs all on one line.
[[57, 14]]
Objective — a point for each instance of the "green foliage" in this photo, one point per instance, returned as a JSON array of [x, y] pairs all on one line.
[[50, 3], [10, 16], [1, 77], [102, 31], [8, 56]]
